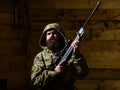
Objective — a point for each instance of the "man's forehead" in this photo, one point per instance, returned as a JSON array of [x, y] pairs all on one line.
[[51, 30]]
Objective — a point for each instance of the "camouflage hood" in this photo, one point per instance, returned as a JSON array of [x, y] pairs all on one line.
[[54, 26]]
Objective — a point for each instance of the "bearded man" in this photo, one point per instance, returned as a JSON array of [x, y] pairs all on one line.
[[45, 75]]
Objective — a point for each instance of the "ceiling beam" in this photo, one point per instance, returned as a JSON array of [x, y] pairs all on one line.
[[73, 4], [73, 14]]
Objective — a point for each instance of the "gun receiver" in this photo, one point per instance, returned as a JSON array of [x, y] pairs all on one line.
[[67, 53]]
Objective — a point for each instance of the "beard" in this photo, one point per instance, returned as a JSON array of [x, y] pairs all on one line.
[[54, 45]]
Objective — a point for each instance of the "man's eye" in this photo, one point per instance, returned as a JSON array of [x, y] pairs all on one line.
[[48, 33]]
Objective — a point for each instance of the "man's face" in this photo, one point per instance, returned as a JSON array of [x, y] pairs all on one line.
[[53, 40], [51, 35]]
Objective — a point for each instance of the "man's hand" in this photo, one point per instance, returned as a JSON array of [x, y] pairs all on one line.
[[75, 44], [59, 68]]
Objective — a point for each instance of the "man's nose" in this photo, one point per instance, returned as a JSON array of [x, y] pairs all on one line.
[[52, 34]]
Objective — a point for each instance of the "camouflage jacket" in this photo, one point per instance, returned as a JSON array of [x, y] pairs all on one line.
[[43, 73]]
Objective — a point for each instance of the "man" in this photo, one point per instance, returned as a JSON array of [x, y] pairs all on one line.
[[45, 74]]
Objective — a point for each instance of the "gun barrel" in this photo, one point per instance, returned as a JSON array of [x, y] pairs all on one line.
[[93, 11]]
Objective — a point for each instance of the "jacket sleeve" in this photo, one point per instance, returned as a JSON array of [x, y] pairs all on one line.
[[39, 75], [80, 64]]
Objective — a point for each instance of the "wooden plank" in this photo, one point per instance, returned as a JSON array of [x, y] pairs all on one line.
[[89, 35], [73, 14], [105, 35], [98, 84], [94, 35], [88, 84], [76, 4], [8, 32], [100, 46], [13, 64], [103, 74], [103, 60], [12, 47], [75, 25]]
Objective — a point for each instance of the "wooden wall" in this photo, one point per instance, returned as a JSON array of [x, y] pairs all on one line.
[[13, 57], [21, 24]]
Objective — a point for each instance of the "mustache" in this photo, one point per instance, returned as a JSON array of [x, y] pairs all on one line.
[[51, 39]]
